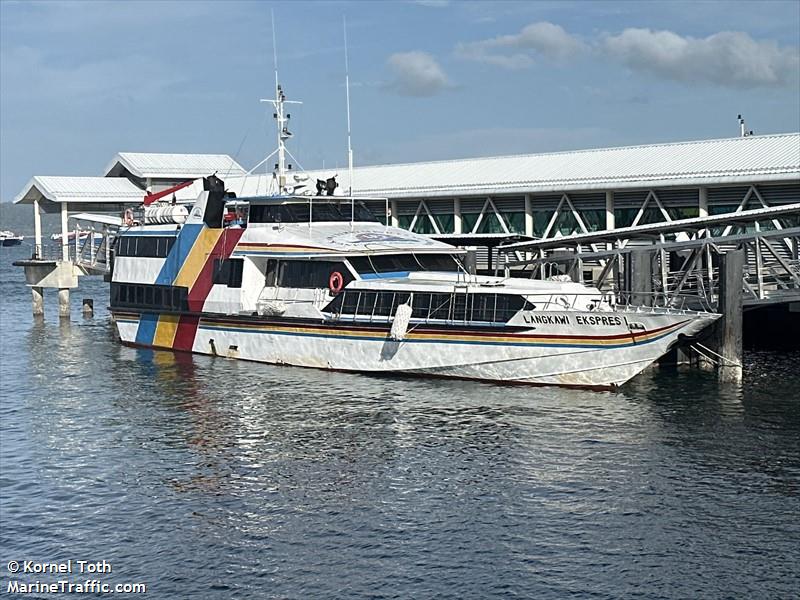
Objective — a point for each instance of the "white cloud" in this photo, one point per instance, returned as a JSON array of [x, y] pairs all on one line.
[[433, 3], [416, 74], [729, 58], [517, 51]]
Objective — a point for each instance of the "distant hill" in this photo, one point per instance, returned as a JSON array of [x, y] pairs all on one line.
[[19, 219]]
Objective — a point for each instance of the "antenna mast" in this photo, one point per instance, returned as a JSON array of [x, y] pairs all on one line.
[[349, 145], [743, 128], [282, 119]]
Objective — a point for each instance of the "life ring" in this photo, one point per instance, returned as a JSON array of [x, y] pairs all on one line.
[[128, 218], [335, 283]]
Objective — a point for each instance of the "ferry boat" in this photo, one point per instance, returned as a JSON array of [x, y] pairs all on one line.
[[314, 280], [9, 238]]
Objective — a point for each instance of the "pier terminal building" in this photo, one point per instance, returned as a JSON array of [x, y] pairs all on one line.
[[524, 196]]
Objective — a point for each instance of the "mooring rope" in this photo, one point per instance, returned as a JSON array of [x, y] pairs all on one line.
[[730, 363]]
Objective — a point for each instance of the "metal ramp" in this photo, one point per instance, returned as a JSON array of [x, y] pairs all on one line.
[[683, 256]]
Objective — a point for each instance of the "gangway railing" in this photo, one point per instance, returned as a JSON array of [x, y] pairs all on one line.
[[93, 250], [683, 266]]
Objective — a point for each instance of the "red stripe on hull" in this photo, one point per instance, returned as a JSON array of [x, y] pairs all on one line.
[[222, 249], [185, 334]]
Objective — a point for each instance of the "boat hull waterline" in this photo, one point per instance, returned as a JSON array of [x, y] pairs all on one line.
[[546, 355]]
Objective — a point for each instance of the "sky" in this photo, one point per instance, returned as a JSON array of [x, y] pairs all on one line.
[[429, 79]]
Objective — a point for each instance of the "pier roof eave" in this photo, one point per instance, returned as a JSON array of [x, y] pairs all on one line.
[[729, 161], [173, 166], [51, 191]]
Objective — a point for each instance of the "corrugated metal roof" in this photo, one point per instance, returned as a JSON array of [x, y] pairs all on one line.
[[79, 190], [175, 166], [706, 162]]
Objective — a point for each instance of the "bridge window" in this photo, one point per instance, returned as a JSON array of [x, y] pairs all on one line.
[[302, 212], [402, 263]]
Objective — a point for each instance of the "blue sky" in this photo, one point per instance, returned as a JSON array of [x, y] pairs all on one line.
[[430, 79]]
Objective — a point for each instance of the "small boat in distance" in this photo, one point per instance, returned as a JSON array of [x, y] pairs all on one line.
[[9, 238], [315, 280]]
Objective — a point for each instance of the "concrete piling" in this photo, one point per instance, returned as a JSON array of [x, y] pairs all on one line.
[[471, 261], [37, 301], [63, 303], [87, 307], [639, 276]]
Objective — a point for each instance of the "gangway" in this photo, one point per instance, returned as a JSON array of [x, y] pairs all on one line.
[[681, 256]]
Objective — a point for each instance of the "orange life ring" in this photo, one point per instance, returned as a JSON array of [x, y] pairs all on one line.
[[335, 283]]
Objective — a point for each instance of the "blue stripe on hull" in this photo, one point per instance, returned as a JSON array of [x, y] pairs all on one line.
[[147, 329], [177, 255]]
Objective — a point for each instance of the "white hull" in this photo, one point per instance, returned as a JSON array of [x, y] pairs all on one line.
[[545, 355]]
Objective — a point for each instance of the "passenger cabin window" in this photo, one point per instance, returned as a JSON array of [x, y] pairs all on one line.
[[316, 211], [305, 273], [228, 272], [455, 307], [145, 246], [402, 263], [150, 297]]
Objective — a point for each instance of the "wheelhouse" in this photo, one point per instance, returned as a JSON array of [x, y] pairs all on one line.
[[282, 210]]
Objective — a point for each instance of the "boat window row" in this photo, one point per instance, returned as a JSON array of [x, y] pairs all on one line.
[[155, 297], [145, 246], [457, 307], [307, 274], [400, 263], [303, 212], [228, 272]]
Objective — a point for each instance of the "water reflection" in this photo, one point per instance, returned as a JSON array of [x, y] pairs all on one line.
[[227, 478]]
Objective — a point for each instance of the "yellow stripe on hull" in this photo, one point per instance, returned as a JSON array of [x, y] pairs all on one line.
[[198, 255], [165, 331]]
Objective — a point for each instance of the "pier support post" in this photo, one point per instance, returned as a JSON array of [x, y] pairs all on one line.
[[610, 221], [38, 301], [728, 330], [88, 307], [471, 260], [63, 303], [640, 277], [37, 230], [575, 270]]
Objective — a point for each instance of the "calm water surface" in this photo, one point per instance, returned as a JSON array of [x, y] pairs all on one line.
[[220, 479]]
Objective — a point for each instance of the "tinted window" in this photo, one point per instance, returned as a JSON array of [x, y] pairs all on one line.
[[228, 272], [158, 297], [490, 308], [309, 273], [144, 246], [301, 212], [382, 304], [401, 263]]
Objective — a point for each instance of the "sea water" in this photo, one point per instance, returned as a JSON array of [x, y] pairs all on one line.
[[211, 478]]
